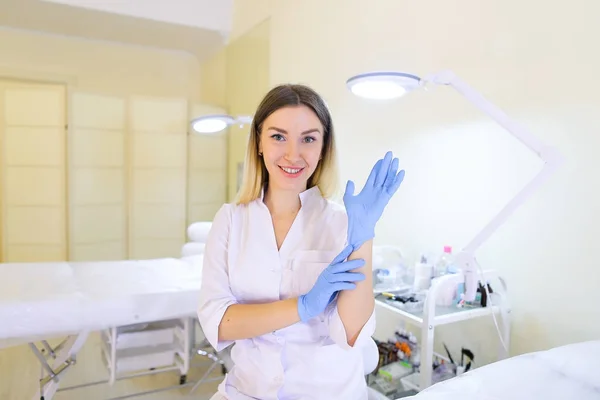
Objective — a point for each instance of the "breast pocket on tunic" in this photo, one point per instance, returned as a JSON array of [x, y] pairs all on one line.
[[306, 267]]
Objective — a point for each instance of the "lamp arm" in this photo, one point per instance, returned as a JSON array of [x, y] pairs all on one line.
[[546, 153], [551, 157]]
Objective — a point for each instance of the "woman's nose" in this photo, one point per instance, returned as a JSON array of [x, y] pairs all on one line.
[[292, 152]]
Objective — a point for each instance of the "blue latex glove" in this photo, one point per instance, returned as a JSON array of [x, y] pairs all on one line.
[[365, 209], [333, 279]]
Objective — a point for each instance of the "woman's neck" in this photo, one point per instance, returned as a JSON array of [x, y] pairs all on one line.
[[282, 202]]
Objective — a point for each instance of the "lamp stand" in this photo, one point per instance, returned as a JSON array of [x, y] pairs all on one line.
[[552, 159]]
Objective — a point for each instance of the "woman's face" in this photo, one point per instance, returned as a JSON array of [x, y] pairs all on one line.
[[291, 142]]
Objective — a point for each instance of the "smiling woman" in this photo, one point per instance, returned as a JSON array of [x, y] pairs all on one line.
[[279, 278]]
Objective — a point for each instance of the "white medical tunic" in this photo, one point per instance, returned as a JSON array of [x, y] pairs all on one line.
[[304, 361]]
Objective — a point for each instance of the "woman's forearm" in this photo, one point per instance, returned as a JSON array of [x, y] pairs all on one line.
[[356, 306], [243, 321]]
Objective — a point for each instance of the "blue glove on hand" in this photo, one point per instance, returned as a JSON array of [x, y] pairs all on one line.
[[365, 209], [333, 279]]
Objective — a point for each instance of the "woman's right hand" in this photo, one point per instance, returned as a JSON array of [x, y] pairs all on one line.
[[334, 278]]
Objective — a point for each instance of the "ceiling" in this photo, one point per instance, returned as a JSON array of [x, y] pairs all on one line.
[[199, 27]]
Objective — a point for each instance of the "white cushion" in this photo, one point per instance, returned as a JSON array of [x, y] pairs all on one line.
[[198, 231]]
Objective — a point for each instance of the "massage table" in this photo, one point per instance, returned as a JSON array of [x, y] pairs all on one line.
[[568, 372], [41, 302]]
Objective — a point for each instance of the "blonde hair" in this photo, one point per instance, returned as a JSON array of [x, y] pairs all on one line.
[[256, 177]]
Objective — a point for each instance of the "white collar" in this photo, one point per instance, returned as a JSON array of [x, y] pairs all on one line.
[[305, 196]]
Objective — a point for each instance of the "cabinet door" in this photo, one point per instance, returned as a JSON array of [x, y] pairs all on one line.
[[33, 172], [97, 178], [158, 176]]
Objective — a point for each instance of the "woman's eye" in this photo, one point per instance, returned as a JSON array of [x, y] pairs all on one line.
[[277, 136], [309, 139]]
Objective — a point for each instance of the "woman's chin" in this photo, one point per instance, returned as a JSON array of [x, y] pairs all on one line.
[[298, 185]]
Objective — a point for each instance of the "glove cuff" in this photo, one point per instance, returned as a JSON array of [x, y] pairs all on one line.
[[358, 233], [302, 310], [357, 241]]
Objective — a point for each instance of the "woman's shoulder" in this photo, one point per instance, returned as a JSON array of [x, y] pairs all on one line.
[[224, 214], [228, 211]]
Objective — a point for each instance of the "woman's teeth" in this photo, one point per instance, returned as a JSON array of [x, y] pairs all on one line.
[[291, 170]]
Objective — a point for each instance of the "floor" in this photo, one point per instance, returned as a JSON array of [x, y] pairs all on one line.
[[20, 373]]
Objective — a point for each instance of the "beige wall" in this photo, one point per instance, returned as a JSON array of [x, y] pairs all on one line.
[[237, 78], [129, 176], [247, 15], [247, 82], [33, 166], [98, 66], [537, 66], [213, 74]]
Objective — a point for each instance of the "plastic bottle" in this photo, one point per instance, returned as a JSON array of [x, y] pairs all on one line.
[[415, 358], [444, 262], [423, 274]]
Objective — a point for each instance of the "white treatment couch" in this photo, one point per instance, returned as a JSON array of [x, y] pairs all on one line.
[[131, 302], [44, 301], [563, 373]]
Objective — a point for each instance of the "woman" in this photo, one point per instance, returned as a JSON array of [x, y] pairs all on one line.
[[287, 273]]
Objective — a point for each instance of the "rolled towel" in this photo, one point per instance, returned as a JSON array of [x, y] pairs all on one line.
[[192, 249], [198, 231]]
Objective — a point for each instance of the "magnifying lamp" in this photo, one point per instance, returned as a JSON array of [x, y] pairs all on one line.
[[391, 85], [208, 124]]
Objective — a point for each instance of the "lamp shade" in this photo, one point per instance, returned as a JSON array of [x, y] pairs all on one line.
[[208, 124], [383, 85], [211, 123]]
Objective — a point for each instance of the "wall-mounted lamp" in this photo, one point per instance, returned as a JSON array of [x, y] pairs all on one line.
[[207, 124]]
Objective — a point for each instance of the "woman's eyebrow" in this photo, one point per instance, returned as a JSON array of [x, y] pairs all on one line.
[[280, 130]]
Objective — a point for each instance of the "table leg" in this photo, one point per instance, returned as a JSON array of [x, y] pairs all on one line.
[[426, 367], [64, 356]]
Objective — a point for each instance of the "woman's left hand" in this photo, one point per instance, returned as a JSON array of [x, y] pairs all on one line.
[[365, 208]]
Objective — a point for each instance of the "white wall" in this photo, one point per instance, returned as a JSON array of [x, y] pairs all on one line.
[[182, 12], [537, 61]]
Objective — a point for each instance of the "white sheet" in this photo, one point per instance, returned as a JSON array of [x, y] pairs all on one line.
[[47, 300], [192, 248], [564, 373]]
